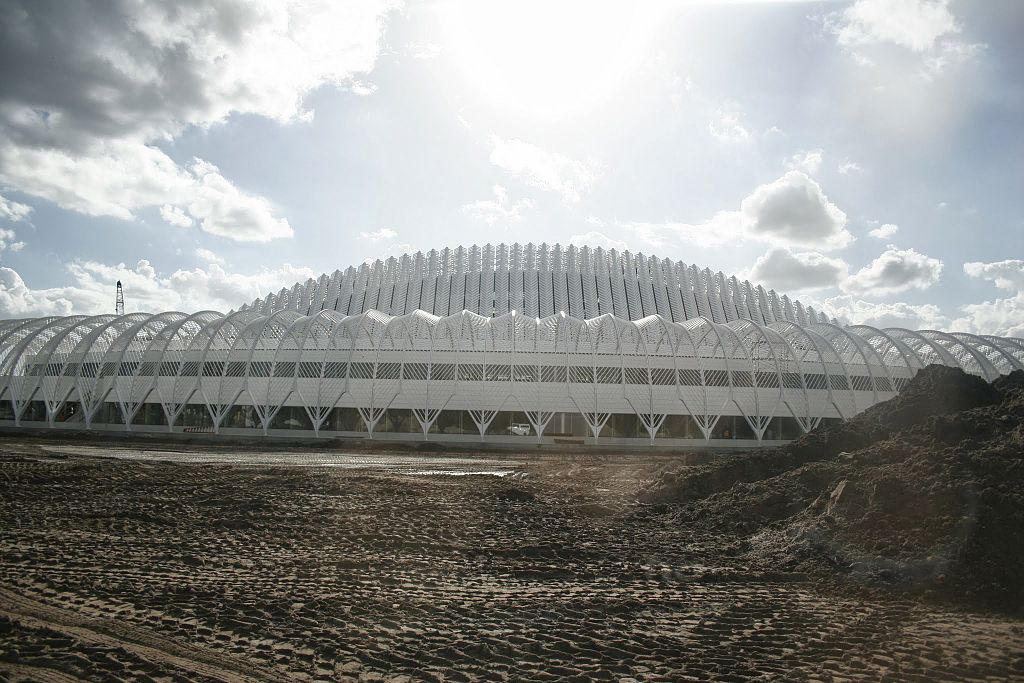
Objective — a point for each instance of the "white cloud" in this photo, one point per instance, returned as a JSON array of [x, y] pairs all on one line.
[[221, 290], [728, 124], [121, 178], [725, 227], [597, 239], [362, 88], [540, 168], [807, 161], [175, 215], [1007, 274], [424, 50], [18, 301], [790, 211], [787, 271], [793, 210], [9, 240], [207, 256], [1000, 316], [12, 210], [394, 249], [895, 270], [385, 244], [654, 234], [951, 54], [113, 179], [884, 231], [927, 28], [96, 86], [727, 127], [848, 167], [499, 209], [1004, 317], [145, 289], [378, 235], [148, 70], [222, 209], [851, 310], [914, 24]]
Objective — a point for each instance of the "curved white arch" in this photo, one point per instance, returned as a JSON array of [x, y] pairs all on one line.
[[602, 367], [979, 343], [986, 368], [138, 343]]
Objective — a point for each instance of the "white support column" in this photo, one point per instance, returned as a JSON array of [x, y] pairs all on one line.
[[545, 284], [501, 281], [604, 283]]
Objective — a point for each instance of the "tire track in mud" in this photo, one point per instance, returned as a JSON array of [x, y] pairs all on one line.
[[137, 641], [277, 572], [41, 674]]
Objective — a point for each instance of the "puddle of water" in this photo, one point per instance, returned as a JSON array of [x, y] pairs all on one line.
[[422, 465], [459, 473]]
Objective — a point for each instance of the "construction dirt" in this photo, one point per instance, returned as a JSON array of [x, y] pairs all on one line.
[[886, 548], [923, 494]]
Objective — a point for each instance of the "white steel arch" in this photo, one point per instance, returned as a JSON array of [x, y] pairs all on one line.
[[624, 341], [138, 366]]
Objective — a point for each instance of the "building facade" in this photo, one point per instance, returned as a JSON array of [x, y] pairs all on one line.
[[509, 343]]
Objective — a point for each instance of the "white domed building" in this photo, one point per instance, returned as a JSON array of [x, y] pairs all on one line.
[[507, 343]]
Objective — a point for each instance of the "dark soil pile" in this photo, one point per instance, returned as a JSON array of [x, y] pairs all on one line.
[[924, 492]]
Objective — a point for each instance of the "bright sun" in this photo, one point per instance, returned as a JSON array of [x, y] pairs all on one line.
[[551, 60]]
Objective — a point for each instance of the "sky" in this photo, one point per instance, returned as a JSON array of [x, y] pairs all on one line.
[[864, 156]]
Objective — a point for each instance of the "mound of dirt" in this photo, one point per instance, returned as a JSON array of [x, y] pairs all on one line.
[[925, 491]]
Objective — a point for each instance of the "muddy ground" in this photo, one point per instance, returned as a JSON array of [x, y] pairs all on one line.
[[922, 494], [127, 565]]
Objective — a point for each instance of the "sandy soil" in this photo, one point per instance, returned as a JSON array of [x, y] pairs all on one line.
[[168, 566]]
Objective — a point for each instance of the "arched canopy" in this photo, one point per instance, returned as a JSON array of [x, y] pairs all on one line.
[[707, 367]]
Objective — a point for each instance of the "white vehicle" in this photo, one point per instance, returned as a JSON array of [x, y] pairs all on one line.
[[520, 429]]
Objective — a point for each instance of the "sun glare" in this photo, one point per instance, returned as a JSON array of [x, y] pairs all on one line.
[[550, 60]]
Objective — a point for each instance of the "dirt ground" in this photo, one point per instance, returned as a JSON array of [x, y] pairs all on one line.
[[133, 565]]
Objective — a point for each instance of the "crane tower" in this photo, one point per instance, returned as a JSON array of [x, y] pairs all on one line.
[[119, 302]]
